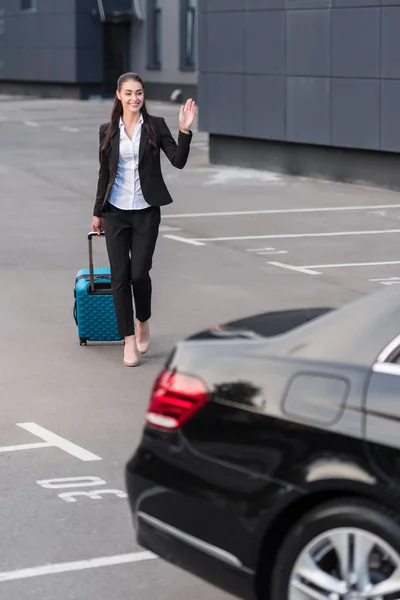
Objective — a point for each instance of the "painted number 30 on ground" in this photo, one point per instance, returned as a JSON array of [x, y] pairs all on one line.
[[80, 482]]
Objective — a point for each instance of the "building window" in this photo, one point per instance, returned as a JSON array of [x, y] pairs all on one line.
[[154, 33], [188, 34], [29, 5]]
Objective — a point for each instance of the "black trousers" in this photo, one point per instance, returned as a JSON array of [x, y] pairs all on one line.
[[131, 237]]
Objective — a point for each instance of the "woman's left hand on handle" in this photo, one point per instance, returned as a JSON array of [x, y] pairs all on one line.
[[187, 115]]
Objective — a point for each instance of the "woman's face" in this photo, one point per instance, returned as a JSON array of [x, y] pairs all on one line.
[[131, 95]]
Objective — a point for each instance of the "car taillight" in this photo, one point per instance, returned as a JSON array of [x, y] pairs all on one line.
[[175, 398]]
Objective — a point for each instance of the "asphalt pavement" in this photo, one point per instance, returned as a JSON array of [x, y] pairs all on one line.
[[234, 242]]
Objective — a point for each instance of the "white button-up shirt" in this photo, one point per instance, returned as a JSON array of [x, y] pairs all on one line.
[[126, 192]]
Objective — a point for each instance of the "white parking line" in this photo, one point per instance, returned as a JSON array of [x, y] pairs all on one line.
[[177, 238], [273, 252], [281, 236], [25, 447], [387, 280], [310, 269], [169, 228], [360, 264], [260, 249], [280, 211], [263, 251], [79, 565], [31, 123], [305, 270], [52, 439]]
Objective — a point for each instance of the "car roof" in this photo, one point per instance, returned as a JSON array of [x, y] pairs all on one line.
[[354, 333]]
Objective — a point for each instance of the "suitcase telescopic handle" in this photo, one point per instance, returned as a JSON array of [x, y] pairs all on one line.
[[91, 235]]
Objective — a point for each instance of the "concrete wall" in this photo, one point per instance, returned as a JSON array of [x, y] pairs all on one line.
[[321, 72]]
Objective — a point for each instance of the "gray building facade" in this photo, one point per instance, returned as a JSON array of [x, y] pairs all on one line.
[[307, 87], [164, 47], [78, 48]]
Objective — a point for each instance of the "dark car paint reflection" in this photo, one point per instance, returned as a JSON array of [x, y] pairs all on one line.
[[245, 468]]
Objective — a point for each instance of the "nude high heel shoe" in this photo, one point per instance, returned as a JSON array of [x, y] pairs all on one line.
[[130, 357], [143, 337]]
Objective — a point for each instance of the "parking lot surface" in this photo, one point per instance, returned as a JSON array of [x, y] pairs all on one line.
[[234, 242]]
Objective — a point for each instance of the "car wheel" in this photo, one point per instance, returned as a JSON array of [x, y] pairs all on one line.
[[342, 550]]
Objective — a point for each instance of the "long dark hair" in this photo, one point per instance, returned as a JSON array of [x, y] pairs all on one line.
[[116, 113]]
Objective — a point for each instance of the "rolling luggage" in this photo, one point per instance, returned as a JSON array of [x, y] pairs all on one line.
[[94, 310]]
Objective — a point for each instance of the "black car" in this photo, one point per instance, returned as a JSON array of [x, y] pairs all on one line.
[[269, 463]]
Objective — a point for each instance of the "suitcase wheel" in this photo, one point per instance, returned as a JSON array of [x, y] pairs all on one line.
[[82, 342]]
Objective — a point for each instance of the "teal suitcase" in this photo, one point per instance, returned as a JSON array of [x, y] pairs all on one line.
[[94, 310]]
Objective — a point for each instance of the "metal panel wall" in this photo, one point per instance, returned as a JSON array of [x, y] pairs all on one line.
[[170, 55], [324, 72], [60, 42], [38, 45]]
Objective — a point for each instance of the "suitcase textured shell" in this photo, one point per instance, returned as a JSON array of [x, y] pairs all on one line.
[[95, 313]]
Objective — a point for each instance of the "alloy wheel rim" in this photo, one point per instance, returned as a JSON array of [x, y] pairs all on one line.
[[346, 564]]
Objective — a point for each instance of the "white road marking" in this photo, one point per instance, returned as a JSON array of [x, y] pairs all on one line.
[[31, 123], [263, 251], [177, 238], [25, 447], [305, 270], [278, 211], [92, 494], [70, 129], [380, 213], [294, 235], [239, 175], [84, 481], [360, 264], [80, 565], [387, 280], [169, 228], [59, 442], [68, 482], [259, 249], [310, 269]]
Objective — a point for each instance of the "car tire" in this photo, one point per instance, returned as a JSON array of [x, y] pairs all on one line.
[[323, 533]]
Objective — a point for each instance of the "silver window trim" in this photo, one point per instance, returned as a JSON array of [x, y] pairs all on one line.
[[387, 351], [195, 542], [387, 368]]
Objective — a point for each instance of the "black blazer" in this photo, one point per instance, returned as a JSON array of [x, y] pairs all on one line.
[[154, 190]]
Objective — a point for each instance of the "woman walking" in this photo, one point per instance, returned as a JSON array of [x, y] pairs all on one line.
[[130, 192]]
